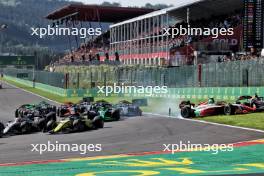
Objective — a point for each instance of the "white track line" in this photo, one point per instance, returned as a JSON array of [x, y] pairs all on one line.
[[211, 123], [200, 121], [32, 93]]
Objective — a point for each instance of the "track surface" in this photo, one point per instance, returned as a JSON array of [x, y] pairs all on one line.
[[139, 134]]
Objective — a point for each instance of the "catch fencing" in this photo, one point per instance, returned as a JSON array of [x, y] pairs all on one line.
[[248, 73]]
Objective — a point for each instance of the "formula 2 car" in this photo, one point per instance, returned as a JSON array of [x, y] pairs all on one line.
[[83, 106], [76, 122], [245, 104], [208, 108], [35, 110], [29, 124], [105, 110], [128, 109]]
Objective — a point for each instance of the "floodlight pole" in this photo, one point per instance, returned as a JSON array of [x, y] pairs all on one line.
[[188, 22], [34, 80], [2, 27]]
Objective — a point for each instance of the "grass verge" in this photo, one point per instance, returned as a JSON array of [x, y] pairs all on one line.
[[255, 120]]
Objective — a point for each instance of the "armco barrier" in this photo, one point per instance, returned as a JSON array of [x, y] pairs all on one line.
[[220, 93]]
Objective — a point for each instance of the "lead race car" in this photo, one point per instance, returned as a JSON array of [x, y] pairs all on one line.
[[31, 118], [208, 108], [42, 108], [29, 124]]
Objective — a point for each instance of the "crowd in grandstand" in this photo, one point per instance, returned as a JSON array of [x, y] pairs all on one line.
[[91, 51]]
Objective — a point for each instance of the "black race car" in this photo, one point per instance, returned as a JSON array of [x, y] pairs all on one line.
[[29, 124], [32, 118], [35, 110]]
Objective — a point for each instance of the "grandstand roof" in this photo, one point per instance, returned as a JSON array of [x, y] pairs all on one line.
[[92, 12], [198, 9]]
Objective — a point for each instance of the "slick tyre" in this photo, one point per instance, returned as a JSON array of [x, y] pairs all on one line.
[[186, 112], [98, 122], [116, 115], [51, 116], [78, 125], [25, 128], [229, 110], [50, 126], [16, 113], [2, 127]]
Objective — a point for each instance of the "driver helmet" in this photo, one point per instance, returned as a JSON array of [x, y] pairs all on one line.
[[211, 101], [73, 110]]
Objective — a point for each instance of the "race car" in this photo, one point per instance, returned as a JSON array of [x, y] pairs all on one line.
[[64, 109], [257, 102], [105, 110], [208, 108], [35, 110], [126, 108], [83, 107], [245, 104], [76, 122], [29, 124]]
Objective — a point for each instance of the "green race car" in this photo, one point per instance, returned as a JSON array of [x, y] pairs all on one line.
[[105, 110]]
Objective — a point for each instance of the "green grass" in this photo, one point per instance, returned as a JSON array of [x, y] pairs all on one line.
[[255, 120], [161, 106]]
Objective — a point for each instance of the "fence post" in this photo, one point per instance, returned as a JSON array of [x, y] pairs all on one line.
[[66, 81], [34, 79], [200, 75], [105, 82], [78, 80]]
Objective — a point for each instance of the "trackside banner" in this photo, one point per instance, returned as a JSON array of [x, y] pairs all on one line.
[[17, 60]]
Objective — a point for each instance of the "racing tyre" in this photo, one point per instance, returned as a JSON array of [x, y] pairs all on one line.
[[16, 113], [91, 115], [50, 126], [139, 112], [116, 115], [2, 127], [51, 116], [54, 109], [186, 112], [78, 125], [25, 127], [59, 112], [98, 122], [229, 110]]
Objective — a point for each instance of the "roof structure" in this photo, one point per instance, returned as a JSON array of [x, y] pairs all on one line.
[[96, 13], [198, 9]]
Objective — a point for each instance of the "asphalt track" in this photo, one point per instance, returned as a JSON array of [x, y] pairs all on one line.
[[137, 134]]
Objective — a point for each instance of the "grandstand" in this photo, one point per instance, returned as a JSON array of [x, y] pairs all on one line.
[[140, 40], [136, 36], [94, 50]]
